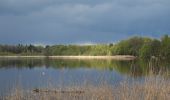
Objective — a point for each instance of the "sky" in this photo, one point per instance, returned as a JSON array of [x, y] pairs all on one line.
[[81, 21]]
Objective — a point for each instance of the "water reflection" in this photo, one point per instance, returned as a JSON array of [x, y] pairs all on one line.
[[38, 73], [137, 68]]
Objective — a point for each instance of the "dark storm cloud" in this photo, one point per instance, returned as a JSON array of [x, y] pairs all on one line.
[[72, 21]]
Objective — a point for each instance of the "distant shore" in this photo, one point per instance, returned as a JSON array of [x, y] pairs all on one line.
[[116, 57]]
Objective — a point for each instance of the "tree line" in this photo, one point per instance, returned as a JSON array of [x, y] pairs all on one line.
[[142, 47]]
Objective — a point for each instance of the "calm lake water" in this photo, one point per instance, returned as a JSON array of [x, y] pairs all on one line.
[[27, 73]]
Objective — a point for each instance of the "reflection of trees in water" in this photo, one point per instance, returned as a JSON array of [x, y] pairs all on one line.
[[140, 68], [132, 68], [20, 63]]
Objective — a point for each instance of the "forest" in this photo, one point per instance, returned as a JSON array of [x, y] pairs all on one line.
[[142, 47]]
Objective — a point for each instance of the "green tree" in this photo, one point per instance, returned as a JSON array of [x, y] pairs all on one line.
[[150, 49], [47, 51], [165, 47]]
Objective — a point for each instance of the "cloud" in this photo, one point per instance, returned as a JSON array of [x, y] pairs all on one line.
[[23, 7], [72, 21]]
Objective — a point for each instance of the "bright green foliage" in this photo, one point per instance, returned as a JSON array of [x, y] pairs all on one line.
[[145, 51], [150, 49], [122, 48], [80, 50], [135, 44], [99, 50], [165, 47], [47, 51], [142, 47], [130, 46]]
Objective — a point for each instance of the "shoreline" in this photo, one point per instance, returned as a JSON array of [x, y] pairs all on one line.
[[116, 57]]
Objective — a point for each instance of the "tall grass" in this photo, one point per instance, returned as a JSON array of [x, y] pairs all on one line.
[[153, 87]]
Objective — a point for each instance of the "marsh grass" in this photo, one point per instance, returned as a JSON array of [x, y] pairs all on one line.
[[156, 86]]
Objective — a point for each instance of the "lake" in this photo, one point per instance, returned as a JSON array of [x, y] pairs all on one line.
[[31, 73]]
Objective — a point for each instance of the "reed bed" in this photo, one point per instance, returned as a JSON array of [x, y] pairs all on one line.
[[153, 87]]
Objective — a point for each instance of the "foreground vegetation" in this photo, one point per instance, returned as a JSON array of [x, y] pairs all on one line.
[[151, 88], [142, 47]]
